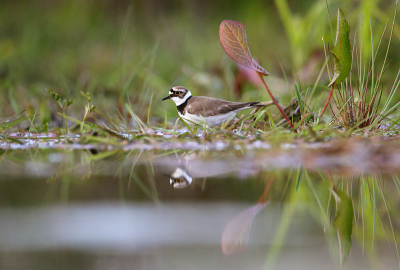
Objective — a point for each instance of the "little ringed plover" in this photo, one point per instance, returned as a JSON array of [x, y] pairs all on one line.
[[208, 110]]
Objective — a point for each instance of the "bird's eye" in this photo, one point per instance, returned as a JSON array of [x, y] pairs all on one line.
[[177, 93]]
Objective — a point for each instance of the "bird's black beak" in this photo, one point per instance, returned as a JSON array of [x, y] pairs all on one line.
[[167, 97]]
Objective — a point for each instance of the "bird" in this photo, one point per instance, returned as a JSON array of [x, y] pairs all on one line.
[[206, 110]]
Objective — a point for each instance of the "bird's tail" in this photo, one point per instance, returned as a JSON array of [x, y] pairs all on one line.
[[261, 105], [258, 106]]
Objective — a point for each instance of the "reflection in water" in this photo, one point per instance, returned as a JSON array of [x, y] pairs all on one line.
[[180, 178], [235, 236], [192, 165], [115, 203]]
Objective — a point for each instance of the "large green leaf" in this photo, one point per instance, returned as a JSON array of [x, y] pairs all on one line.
[[341, 52], [343, 223]]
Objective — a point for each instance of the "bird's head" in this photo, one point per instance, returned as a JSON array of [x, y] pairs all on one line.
[[178, 94]]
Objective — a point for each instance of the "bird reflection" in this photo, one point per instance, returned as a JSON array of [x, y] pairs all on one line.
[[180, 178], [192, 167]]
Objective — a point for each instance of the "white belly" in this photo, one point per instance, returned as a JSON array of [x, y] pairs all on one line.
[[215, 120]]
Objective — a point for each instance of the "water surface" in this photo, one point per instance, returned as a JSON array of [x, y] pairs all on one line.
[[276, 207]]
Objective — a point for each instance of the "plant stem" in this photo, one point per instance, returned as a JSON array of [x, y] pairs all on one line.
[[330, 178], [65, 123], [262, 199], [327, 101], [84, 118], [275, 102]]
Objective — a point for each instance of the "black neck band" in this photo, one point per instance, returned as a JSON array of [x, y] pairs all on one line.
[[182, 106]]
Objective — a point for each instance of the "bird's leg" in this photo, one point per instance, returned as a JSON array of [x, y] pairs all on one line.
[[204, 133]]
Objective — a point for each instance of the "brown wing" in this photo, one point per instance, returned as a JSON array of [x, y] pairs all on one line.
[[208, 106]]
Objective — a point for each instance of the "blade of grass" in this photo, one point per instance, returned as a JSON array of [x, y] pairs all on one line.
[[32, 122], [75, 120], [136, 118], [148, 111], [297, 91], [299, 177], [187, 125], [271, 121], [391, 226]]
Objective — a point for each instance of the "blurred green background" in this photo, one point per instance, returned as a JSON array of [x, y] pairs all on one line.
[[126, 51]]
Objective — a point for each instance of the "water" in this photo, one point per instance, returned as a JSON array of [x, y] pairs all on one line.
[[209, 207]]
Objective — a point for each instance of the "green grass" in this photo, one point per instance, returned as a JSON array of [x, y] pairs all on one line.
[[123, 63], [119, 55]]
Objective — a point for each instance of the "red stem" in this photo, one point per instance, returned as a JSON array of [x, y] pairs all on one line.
[[327, 101], [262, 199], [275, 102], [330, 178]]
